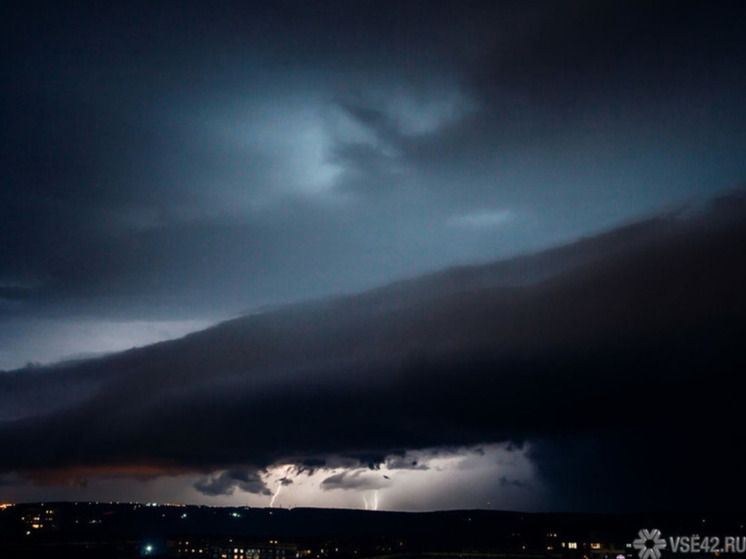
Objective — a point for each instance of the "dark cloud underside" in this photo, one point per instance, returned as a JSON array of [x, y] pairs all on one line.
[[623, 348], [165, 166]]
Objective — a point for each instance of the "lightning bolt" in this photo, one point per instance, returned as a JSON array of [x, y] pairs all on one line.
[[366, 502], [272, 501], [375, 500], [280, 483]]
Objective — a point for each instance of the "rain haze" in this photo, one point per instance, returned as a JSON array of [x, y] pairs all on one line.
[[389, 255]]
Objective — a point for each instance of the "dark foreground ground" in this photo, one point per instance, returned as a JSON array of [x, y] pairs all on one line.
[[95, 530]]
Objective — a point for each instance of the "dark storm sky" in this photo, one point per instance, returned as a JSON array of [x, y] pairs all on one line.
[[192, 159], [167, 165]]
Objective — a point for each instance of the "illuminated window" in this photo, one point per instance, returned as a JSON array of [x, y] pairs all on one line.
[[595, 546], [573, 545]]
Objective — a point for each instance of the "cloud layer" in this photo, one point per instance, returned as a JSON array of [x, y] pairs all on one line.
[[610, 368], [161, 164]]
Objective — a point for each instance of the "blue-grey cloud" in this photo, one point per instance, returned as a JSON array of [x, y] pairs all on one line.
[[138, 167], [590, 353], [180, 166]]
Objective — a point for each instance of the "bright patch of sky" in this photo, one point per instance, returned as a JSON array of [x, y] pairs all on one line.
[[492, 476], [46, 340], [426, 112], [482, 219], [291, 144]]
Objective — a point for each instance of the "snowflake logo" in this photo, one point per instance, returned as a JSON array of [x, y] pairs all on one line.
[[649, 544]]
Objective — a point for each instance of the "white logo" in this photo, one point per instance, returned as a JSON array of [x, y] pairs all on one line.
[[649, 544]]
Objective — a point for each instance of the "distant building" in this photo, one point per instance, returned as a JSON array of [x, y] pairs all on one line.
[[41, 519], [223, 547]]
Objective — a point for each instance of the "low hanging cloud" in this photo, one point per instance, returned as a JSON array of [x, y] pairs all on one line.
[[405, 462], [355, 479], [226, 483], [574, 362]]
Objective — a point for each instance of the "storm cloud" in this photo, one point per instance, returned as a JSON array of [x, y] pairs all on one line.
[[622, 346], [355, 479], [388, 229], [214, 159], [226, 483]]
